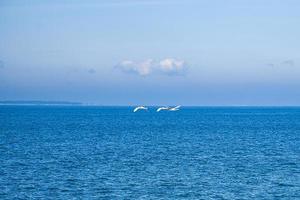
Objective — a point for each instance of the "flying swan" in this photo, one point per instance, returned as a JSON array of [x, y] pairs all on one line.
[[140, 108], [162, 108], [175, 108]]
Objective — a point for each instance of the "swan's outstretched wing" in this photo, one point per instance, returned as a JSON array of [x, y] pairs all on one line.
[[175, 108], [140, 108], [162, 108], [136, 109]]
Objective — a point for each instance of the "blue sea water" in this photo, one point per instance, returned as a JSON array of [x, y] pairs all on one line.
[[85, 152]]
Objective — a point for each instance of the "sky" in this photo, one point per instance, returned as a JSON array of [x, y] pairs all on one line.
[[151, 52]]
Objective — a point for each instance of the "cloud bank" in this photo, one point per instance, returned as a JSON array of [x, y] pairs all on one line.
[[167, 66]]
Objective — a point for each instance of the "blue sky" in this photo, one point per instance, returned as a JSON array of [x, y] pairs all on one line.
[[160, 52]]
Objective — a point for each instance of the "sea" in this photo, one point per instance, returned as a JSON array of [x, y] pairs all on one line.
[[94, 152]]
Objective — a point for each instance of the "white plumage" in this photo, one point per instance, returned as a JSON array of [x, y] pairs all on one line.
[[162, 108], [174, 108], [140, 108]]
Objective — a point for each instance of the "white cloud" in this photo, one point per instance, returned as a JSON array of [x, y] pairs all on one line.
[[168, 66], [172, 66], [142, 68]]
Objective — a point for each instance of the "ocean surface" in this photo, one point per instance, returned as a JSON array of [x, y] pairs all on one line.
[[86, 152]]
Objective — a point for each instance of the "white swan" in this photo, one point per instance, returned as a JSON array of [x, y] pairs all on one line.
[[175, 108], [162, 108], [140, 108]]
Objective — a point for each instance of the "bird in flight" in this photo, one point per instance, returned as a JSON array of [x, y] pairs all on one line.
[[174, 108], [162, 108], [140, 108]]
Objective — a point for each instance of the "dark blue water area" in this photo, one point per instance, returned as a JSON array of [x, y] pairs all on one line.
[[85, 152]]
